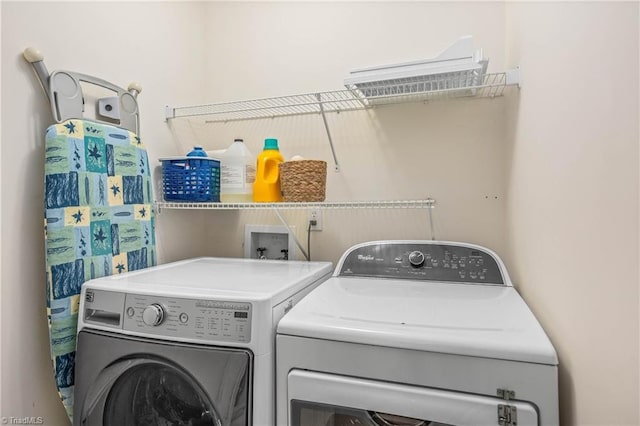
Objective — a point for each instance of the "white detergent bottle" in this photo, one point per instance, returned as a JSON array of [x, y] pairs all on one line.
[[237, 174]]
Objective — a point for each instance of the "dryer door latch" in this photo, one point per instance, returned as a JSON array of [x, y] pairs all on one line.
[[507, 414], [506, 394]]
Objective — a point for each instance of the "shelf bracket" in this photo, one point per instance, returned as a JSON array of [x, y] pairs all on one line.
[[513, 78], [169, 113], [431, 205], [336, 166]]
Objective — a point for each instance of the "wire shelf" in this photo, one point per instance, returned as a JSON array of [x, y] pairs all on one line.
[[390, 204], [354, 97], [431, 88]]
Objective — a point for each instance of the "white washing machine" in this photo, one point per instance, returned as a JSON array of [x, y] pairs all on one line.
[[415, 333], [186, 343]]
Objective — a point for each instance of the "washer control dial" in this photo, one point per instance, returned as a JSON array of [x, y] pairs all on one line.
[[153, 314], [416, 258]]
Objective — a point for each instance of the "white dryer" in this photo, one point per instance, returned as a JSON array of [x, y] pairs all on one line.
[[415, 333], [185, 343]]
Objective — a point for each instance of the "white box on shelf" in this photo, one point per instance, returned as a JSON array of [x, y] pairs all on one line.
[[459, 67]]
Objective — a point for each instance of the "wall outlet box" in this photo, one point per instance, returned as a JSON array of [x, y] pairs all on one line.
[[315, 214], [268, 242]]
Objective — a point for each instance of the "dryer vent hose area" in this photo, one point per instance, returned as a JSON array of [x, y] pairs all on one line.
[[383, 419], [378, 419]]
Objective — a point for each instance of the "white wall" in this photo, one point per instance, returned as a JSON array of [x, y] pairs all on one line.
[[573, 196], [157, 44]]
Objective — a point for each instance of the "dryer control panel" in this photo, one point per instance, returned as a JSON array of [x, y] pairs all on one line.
[[422, 260], [200, 319]]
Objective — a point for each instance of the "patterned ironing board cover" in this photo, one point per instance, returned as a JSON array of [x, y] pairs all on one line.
[[98, 221]]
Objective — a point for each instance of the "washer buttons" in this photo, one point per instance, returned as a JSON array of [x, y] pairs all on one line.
[[154, 315], [130, 312], [183, 317], [416, 258]]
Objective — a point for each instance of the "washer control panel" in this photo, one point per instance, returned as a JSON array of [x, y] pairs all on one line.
[[197, 319], [201, 319], [422, 261]]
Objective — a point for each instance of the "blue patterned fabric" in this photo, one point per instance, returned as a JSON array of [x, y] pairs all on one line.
[[98, 221]]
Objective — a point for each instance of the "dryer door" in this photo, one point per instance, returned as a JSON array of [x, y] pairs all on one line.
[[318, 399], [122, 381]]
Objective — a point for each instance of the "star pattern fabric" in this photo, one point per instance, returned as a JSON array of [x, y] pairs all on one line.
[[99, 221]]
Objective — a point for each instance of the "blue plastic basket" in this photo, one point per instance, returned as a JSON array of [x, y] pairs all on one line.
[[191, 179]]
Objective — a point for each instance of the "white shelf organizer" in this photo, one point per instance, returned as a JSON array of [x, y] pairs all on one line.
[[414, 89], [458, 72]]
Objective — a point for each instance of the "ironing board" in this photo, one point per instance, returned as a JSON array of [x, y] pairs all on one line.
[[98, 204]]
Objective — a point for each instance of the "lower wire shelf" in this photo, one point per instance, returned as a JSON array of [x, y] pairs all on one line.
[[387, 204], [428, 203]]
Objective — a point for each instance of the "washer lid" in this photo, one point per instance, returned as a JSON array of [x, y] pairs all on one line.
[[464, 319], [208, 277]]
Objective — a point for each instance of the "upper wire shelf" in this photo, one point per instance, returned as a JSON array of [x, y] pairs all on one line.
[[354, 98]]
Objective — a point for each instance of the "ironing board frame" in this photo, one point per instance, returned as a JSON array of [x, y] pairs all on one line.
[[99, 217]]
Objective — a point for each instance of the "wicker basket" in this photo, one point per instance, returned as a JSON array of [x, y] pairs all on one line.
[[303, 180]]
